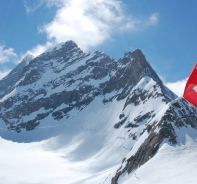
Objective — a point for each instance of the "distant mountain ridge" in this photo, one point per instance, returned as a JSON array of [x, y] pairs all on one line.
[[121, 104]]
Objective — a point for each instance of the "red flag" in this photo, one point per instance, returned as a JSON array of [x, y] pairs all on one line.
[[190, 92]]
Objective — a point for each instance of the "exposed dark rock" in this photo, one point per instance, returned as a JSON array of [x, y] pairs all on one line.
[[141, 118], [131, 125], [121, 122], [158, 132]]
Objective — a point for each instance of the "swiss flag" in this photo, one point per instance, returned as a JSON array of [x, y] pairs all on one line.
[[190, 92]]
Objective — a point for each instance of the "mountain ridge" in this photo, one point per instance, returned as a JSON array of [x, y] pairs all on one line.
[[68, 55], [116, 112]]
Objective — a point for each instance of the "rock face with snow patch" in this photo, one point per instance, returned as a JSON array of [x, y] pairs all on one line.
[[178, 115], [7, 83]]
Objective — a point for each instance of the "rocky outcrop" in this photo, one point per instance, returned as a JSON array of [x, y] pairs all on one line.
[[179, 114]]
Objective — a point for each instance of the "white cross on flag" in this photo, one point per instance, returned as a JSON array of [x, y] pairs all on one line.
[[190, 92]]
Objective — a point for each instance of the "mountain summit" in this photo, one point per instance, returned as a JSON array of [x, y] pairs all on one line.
[[65, 76], [116, 107]]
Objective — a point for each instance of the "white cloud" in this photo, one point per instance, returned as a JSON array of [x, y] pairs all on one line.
[[88, 23], [153, 19], [134, 24], [31, 6], [177, 87], [38, 49], [7, 55]]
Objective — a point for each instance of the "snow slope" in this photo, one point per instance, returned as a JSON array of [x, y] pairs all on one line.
[[172, 164], [35, 163], [32, 163]]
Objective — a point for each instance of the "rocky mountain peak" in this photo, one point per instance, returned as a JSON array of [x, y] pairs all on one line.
[[65, 76], [105, 107], [69, 45], [66, 92], [140, 67], [63, 46], [135, 53], [63, 49], [140, 64]]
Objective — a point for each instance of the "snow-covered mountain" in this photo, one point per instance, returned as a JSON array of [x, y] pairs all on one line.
[[114, 115]]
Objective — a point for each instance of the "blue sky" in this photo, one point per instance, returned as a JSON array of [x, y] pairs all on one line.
[[165, 31]]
